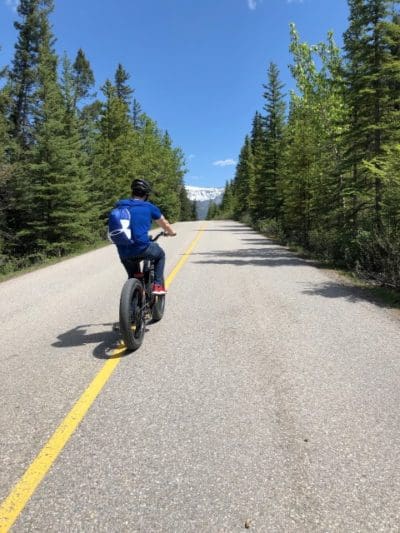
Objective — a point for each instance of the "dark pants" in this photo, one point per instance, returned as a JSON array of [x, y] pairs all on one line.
[[155, 253]]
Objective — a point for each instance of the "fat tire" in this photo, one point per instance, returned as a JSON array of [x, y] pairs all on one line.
[[158, 308], [131, 319]]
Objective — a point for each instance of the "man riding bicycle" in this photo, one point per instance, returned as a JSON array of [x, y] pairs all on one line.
[[142, 214]]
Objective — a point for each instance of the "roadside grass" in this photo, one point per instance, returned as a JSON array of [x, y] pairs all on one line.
[[52, 261]]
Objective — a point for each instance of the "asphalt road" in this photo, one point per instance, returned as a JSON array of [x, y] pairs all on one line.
[[267, 397]]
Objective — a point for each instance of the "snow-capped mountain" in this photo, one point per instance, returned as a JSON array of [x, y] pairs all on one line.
[[203, 196], [200, 194]]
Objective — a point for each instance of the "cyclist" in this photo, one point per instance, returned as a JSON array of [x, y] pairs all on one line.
[[142, 214]]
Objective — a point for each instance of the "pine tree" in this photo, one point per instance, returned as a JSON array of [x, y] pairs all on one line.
[[194, 215], [371, 67], [114, 162], [311, 181], [169, 180], [83, 78], [257, 185], [124, 91], [23, 103], [243, 183], [227, 203], [23, 74], [212, 211], [57, 222], [186, 206], [274, 131], [137, 115], [5, 170]]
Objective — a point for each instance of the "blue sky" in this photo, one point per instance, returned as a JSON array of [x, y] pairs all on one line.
[[197, 66]]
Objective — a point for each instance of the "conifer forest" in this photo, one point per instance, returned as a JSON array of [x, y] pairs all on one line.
[[67, 152], [320, 167]]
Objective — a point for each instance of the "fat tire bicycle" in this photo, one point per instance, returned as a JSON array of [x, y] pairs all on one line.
[[138, 305]]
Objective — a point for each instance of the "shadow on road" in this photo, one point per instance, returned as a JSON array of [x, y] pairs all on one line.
[[262, 241], [273, 256], [106, 341], [231, 229], [277, 256], [332, 289]]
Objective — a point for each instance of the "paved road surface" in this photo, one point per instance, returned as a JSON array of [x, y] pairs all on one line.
[[268, 396]]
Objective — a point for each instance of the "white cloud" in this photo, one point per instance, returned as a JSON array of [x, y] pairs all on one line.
[[253, 4], [13, 4], [224, 163]]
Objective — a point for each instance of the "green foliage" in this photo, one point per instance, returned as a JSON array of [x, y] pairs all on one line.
[[226, 208], [83, 78], [243, 184], [6, 169], [187, 207], [257, 185], [327, 177], [372, 72], [57, 221], [65, 158], [274, 137], [124, 91], [212, 211]]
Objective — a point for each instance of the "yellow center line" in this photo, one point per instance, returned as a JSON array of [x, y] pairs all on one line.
[[22, 491]]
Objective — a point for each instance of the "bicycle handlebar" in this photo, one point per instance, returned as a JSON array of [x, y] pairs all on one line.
[[161, 234], [156, 237]]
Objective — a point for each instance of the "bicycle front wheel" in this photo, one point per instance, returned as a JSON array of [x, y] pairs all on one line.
[[157, 311], [131, 318]]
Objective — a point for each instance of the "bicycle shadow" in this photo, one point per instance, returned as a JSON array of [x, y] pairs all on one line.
[[107, 342]]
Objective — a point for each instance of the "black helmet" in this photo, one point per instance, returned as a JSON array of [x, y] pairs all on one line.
[[140, 187]]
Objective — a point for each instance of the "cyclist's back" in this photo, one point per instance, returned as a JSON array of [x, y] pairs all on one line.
[[143, 213]]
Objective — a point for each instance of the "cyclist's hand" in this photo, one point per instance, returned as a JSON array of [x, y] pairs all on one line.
[[171, 234]]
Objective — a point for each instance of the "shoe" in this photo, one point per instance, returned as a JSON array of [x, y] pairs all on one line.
[[158, 290]]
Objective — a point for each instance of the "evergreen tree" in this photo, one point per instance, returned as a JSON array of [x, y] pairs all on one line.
[[23, 74], [257, 185], [186, 206], [50, 134], [227, 203], [311, 181], [372, 65], [114, 152], [137, 115], [194, 215], [124, 91], [5, 170], [274, 131], [169, 180], [243, 181], [23, 103], [212, 211], [83, 78], [57, 222]]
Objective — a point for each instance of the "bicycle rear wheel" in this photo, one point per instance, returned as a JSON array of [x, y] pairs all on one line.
[[131, 318]]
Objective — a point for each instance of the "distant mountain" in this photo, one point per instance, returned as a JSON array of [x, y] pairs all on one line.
[[203, 196]]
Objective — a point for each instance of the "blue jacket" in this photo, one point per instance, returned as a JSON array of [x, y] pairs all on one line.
[[142, 215]]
